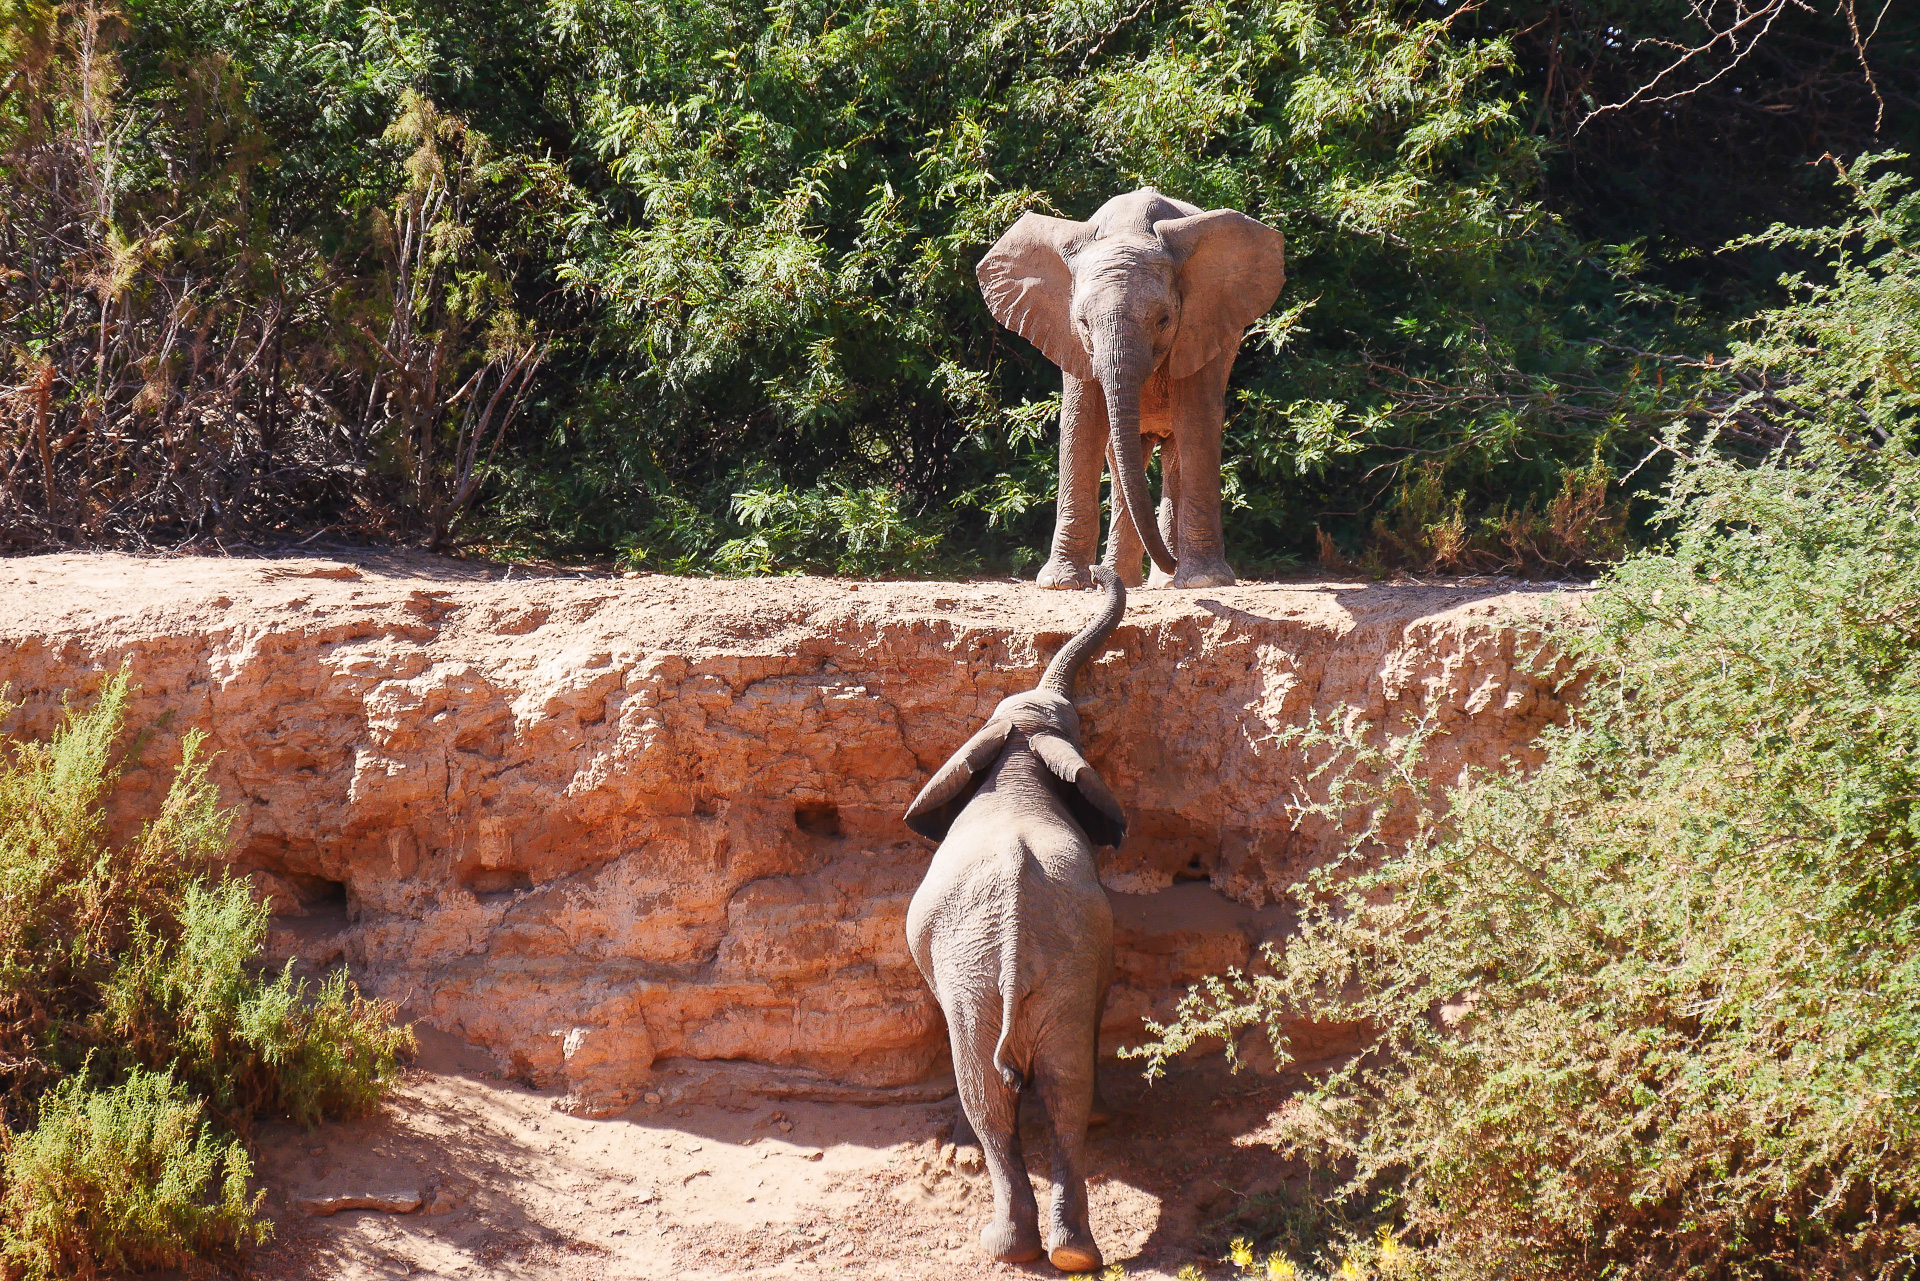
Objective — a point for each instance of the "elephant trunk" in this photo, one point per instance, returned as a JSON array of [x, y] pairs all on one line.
[[1122, 387], [1073, 655]]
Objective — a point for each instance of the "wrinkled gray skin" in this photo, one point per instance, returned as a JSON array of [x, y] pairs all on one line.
[[1014, 934], [1143, 307]]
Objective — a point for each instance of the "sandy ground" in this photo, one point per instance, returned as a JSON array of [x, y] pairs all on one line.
[[513, 1187]]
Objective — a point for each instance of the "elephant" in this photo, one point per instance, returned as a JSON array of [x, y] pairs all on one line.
[[1143, 308], [1014, 934]]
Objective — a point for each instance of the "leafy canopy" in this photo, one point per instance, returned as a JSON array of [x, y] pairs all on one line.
[[589, 276]]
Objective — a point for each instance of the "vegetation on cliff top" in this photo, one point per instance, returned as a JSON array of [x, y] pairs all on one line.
[[139, 1038], [693, 282]]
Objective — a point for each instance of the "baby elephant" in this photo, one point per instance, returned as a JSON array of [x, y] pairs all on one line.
[[1015, 936]]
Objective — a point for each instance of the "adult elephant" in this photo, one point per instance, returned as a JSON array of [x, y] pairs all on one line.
[[1142, 307]]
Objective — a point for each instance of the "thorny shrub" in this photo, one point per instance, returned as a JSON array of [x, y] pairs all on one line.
[[1652, 1010], [1581, 530]]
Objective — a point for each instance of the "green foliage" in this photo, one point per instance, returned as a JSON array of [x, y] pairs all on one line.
[[811, 198], [829, 529], [192, 997], [568, 278], [119, 1178], [1843, 352], [1652, 1010], [67, 897], [134, 1016], [457, 360]]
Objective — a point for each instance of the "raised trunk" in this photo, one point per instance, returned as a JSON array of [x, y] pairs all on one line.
[[1065, 667], [1129, 465]]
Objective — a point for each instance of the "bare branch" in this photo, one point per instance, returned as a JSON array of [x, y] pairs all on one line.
[[1736, 36]]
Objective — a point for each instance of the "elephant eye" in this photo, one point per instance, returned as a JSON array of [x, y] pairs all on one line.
[[1166, 320]]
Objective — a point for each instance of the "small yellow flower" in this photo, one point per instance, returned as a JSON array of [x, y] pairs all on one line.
[[1280, 1268], [1351, 1271], [1241, 1252]]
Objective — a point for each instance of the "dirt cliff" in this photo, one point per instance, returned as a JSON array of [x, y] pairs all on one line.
[[617, 829]]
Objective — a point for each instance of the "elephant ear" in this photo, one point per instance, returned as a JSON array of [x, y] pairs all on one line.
[[1093, 805], [1230, 269], [1028, 286], [951, 787]]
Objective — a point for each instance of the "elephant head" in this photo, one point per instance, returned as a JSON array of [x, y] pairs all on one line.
[[1045, 719], [1147, 283]]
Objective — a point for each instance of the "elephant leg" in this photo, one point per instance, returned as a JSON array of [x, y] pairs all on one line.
[[1125, 551], [1169, 507], [1199, 416], [1013, 1235], [992, 1108], [963, 1135], [1066, 1087], [1076, 526]]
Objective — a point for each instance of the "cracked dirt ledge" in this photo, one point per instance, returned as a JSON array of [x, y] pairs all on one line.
[[640, 838]]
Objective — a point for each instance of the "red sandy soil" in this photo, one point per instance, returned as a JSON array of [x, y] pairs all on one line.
[[516, 1188]]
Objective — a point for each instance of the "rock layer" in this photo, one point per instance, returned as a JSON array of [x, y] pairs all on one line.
[[598, 824]]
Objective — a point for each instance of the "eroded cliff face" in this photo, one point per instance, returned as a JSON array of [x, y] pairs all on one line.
[[609, 828]]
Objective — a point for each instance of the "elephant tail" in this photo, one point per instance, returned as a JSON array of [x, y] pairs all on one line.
[[1012, 982], [1010, 996]]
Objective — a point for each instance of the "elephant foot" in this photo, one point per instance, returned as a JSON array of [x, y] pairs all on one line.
[[1197, 573], [1064, 575], [1010, 1242], [1076, 1253]]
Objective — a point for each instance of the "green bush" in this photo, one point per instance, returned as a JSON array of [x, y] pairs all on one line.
[[832, 529], [135, 1019], [247, 1043], [1652, 1010], [124, 1177]]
